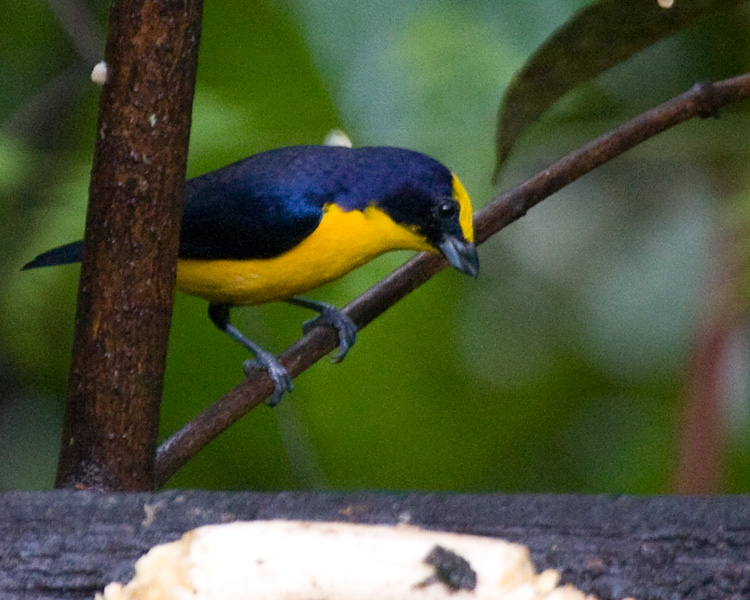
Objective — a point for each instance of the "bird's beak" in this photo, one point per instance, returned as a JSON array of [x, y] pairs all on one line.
[[461, 255]]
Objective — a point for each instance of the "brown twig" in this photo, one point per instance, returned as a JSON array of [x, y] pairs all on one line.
[[701, 101], [132, 229]]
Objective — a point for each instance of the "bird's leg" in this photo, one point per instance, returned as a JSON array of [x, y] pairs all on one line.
[[282, 381], [332, 316]]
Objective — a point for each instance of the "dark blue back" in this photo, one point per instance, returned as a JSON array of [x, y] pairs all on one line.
[[266, 204]]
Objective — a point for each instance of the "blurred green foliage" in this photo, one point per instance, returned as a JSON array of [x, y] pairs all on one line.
[[564, 367]]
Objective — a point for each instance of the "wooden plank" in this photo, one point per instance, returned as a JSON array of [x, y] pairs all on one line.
[[68, 545]]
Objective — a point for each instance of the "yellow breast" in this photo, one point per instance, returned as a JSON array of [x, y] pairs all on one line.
[[342, 242]]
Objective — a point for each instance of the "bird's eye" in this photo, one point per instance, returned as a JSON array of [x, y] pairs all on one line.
[[447, 210]]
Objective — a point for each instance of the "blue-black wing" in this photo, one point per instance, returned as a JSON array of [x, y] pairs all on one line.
[[237, 213], [259, 207]]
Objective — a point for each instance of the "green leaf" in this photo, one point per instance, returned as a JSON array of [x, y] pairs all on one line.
[[595, 39]]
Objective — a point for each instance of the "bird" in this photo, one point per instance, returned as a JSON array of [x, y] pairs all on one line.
[[280, 223]]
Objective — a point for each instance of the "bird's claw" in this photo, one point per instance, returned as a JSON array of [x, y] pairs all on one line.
[[282, 381], [346, 328]]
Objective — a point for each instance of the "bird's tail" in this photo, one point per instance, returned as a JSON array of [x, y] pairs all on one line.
[[62, 255]]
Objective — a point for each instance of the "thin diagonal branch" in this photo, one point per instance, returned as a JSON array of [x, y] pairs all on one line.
[[701, 101]]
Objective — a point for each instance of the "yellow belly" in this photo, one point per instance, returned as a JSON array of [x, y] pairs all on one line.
[[342, 242]]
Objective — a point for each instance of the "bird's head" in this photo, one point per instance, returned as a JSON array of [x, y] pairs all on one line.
[[456, 230], [431, 201]]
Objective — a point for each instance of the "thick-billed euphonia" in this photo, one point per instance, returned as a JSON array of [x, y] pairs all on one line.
[[283, 222]]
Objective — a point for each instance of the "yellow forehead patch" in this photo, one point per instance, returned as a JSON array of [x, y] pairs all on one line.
[[465, 212]]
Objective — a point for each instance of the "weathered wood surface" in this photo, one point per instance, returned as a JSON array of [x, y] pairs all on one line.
[[67, 544]]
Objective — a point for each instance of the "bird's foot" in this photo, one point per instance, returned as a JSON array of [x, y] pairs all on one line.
[[282, 381], [345, 327]]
